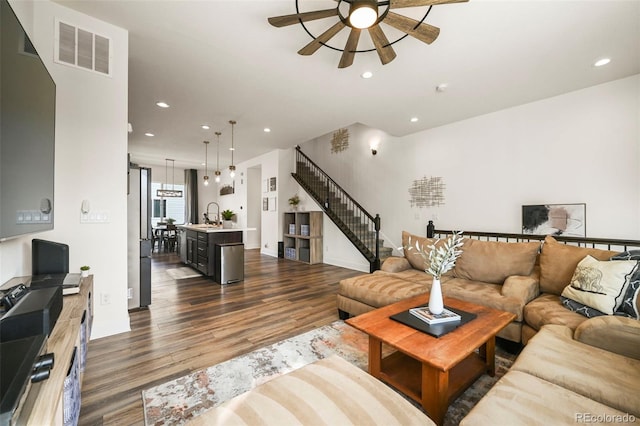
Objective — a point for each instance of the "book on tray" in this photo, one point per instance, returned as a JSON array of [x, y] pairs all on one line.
[[427, 316]]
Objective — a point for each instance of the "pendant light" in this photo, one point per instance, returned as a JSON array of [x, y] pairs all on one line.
[[217, 172], [169, 192], [206, 162], [232, 168]]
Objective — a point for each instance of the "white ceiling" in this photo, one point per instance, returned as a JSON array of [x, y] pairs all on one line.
[[214, 61]]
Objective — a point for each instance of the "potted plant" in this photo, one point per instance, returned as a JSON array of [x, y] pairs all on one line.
[[439, 259], [294, 201], [227, 215], [84, 271]]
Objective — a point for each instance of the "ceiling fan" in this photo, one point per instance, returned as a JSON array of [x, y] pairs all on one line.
[[364, 14]]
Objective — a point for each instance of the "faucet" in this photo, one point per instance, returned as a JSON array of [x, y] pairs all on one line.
[[206, 215]]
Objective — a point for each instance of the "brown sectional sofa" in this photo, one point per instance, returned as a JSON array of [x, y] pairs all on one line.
[[560, 378], [525, 278]]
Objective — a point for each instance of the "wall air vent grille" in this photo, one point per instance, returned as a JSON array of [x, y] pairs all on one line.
[[80, 48]]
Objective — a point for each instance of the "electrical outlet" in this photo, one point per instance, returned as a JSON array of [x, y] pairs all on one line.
[[105, 298], [266, 245]]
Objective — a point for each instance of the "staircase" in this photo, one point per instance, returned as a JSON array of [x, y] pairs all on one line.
[[360, 227]]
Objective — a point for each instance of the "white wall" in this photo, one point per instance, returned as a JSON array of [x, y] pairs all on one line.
[[90, 163], [581, 147]]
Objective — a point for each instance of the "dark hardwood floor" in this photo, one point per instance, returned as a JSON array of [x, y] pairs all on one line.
[[195, 323]]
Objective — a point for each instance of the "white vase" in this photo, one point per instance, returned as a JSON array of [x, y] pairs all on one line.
[[436, 306], [227, 224], [84, 273]]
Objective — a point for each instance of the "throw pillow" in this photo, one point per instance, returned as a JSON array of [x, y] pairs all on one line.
[[630, 300], [413, 256], [600, 284], [494, 261], [558, 262], [579, 308]]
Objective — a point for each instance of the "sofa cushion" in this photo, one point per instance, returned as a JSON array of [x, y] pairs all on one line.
[[547, 309], [606, 377], [600, 284], [395, 264], [330, 392], [413, 244], [484, 294], [558, 262], [494, 261], [381, 289], [522, 399]]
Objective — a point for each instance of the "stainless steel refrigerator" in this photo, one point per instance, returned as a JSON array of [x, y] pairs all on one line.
[[139, 237]]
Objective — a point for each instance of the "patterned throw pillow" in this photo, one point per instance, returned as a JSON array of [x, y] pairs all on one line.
[[629, 304], [579, 308], [600, 284]]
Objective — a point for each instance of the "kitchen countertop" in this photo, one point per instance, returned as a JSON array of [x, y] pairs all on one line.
[[212, 228]]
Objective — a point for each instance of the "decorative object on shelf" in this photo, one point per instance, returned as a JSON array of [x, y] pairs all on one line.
[[227, 215], [232, 168], [169, 192], [340, 141], [360, 15], [440, 259], [427, 192], [206, 163], [293, 202], [84, 270], [217, 173], [227, 189], [568, 220]]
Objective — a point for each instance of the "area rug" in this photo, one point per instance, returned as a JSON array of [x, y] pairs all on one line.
[[177, 401], [182, 273]]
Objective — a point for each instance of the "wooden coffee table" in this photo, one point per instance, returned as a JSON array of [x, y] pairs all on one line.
[[432, 371]]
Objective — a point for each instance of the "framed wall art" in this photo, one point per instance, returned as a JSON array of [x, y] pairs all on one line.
[[272, 184], [265, 204], [568, 220]]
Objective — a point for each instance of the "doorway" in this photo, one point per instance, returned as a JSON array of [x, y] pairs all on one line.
[[254, 207]]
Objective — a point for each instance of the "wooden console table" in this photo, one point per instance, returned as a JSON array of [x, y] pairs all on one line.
[[432, 371], [44, 405]]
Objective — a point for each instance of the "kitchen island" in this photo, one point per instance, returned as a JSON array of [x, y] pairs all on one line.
[[197, 245]]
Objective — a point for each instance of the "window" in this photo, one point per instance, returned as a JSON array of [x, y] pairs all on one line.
[[167, 207]]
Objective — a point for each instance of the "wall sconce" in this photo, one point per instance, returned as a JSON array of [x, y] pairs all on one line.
[[374, 147]]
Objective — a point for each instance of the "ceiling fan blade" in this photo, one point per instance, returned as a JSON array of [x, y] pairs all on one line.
[[380, 41], [395, 4], [311, 48], [425, 32], [349, 51], [283, 21]]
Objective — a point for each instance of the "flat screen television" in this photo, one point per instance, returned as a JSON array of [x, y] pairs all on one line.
[[27, 132]]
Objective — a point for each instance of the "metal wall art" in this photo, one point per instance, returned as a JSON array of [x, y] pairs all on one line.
[[340, 141], [427, 192]]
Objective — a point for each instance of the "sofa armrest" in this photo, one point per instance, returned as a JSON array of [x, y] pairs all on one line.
[[395, 264], [616, 334], [522, 288]]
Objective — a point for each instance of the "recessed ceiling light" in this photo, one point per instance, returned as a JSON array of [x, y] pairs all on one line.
[[162, 104], [149, 134], [414, 119], [442, 87], [601, 62], [204, 126], [366, 74], [267, 130]]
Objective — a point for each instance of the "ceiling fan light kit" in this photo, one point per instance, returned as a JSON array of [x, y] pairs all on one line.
[[365, 15]]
